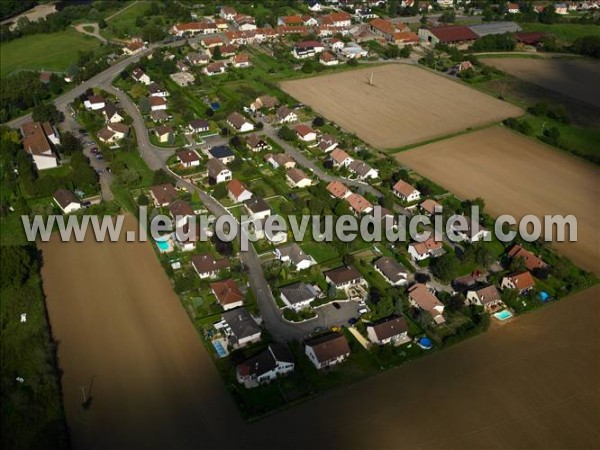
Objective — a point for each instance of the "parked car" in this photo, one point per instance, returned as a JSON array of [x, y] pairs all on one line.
[[99, 156], [336, 305], [352, 321], [363, 311]]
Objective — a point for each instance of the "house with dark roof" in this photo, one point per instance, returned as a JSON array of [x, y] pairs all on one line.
[[298, 296], [297, 178], [362, 170], [393, 272], [199, 126], [163, 194], [66, 201], [327, 350], [94, 102], [188, 158], [242, 328], [273, 362], [257, 208], [344, 277], [419, 296], [217, 171], [165, 133], [228, 294], [140, 76], [390, 330], [111, 113], [327, 143], [293, 254], [256, 143], [181, 211], [206, 266], [156, 90], [239, 123], [473, 232], [286, 115], [222, 153]]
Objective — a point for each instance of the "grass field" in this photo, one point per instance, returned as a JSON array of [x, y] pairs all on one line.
[[53, 52], [564, 31], [518, 176], [405, 105], [576, 78], [125, 20]]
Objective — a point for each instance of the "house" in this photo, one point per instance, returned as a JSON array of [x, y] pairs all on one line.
[[66, 201], [36, 142], [181, 212], [334, 44], [448, 34], [111, 114], [95, 102], [264, 367], [256, 143], [327, 143], [473, 233], [156, 90], [239, 123], [227, 293], [406, 192], [240, 61], [353, 51], [495, 28], [280, 160], [163, 194], [309, 21], [244, 22], [314, 6], [298, 296], [243, 329], [340, 158], [134, 47], [307, 49], [358, 204], [257, 208], [217, 171], [488, 297], [199, 126], [183, 78], [290, 21], [157, 104], [512, 8], [45, 77], [338, 190], [532, 262], [393, 33], [264, 102], [468, 281], [293, 254], [159, 116], [164, 133], [327, 59], [428, 248], [222, 153], [327, 350], [193, 28], [430, 207], [188, 158], [362, 170], [419, 296], [113, 133], [228, 13], [297, 178], [391, 270], [338, 19], [286, 115], [140, 76], [344, 277], [237, 192], [213, 41], [197, 59], [206, 266], [561, 8], [390, 330], [522, 282], [216, 68]]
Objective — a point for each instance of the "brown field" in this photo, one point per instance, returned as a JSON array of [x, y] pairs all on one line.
[[518, 176], [576, 78], [406, 104]]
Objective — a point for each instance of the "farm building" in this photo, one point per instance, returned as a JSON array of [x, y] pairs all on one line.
[[451, 35], [495, 28]]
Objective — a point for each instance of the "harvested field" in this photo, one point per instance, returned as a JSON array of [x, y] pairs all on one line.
[[518, 176], [405, 105], [116, 320], [576, 78]]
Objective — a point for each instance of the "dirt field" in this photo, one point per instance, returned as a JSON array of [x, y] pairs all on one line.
[[405, 105], [576, 78], [521, 385], [116, 319], [518, 176]]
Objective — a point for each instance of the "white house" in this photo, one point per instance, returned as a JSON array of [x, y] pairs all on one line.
[[426, 249], [273, 362], [391, 330], [140, 76], [406, 192], [157, 104], [242, 329], [286, 115], [228, 294], [94, 102], [419, 296], [188, 158], [239, 123], [340, 158], [298, 296], [36, 142], [305, 133], [237, 192], [257, 208], [328, 350], [488, 297], [362, 170], [217, 171], [206, 266], [391, 270], [297, 178], [66, 201], [473, 232], [293, 254], [522, 282]]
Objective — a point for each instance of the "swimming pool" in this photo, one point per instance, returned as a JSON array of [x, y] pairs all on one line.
[[219, 349], [503, 315], [163, 246], [425, 343]]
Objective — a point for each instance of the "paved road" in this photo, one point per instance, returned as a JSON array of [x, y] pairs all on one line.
[[96, 33]]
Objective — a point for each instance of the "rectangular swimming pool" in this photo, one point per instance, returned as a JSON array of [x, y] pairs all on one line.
[[219, 348], [163, 246], [503, 315]]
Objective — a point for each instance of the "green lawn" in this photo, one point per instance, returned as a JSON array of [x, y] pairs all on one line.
[[583, 140], [564, 31], [124, 22], [54, 51]]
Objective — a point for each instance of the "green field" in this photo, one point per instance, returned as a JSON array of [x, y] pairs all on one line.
[[564, 31], [124, 22], [54, 52]]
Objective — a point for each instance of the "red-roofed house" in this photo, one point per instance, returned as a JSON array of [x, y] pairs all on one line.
[[522, 282], [406, 192], [228, 294], [449, 34], [305, 133], [237, 192]]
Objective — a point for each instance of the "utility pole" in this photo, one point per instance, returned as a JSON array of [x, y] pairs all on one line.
[[371, 79]]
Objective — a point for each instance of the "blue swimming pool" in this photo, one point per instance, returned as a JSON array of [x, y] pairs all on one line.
[[163, 246], [503, 315], [219, 349]]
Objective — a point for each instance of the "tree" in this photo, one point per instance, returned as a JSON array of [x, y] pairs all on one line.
[[393, 8], [391, 51], [548, 15], [143, 200], [46, 113], [587, 45], [69, 144], [286, 134], [161, 177], [216, 53], [318, 121], [220, 191], [447, 17], [152, 33], [102, 23], [445, 267], [406, 51]]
